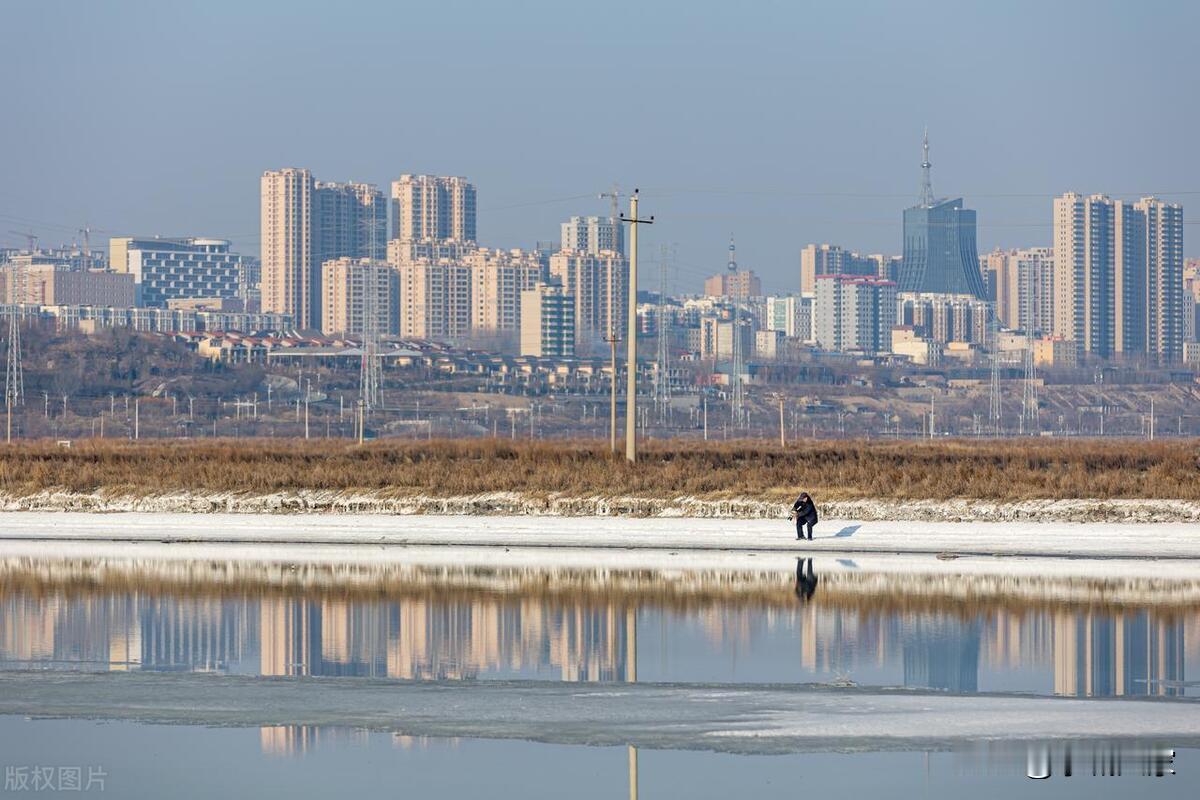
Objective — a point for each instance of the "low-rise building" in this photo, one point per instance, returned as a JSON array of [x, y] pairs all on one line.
[[1055, 351], [46, 284], [165, 269]]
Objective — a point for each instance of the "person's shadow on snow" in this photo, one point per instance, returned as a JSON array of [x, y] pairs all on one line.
[[847, 531]]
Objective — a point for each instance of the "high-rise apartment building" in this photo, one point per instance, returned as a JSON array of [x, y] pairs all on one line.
[[741, 283], [600, 285], [498, 277], [547, 322], [854, 312], [1118, 276], [1084, 267], [790, 314], [351, 221], [940, 254], [1021, 283], [593, 234], [945, 318], [435, 298], [361, 297], [1191, 299], [170, 269], [1164, 278], [287, 245], [433, 208], [304, 223], [830, 259]]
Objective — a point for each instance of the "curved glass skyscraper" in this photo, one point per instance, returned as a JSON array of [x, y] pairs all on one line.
[[940, 253]]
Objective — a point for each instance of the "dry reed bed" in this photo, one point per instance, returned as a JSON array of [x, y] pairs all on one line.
[[842, 470]]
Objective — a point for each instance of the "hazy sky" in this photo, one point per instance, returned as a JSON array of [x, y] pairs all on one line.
[[783, 123]]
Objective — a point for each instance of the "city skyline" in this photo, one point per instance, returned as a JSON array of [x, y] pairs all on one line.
[[745, 163]]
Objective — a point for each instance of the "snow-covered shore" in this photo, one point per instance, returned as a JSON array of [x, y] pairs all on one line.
[[514, 504], [1174, 540]]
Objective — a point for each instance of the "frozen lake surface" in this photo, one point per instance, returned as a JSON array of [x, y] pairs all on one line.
[[1092, 540]]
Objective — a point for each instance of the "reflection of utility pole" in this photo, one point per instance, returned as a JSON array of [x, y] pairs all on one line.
[[631, 677], [631, 377]]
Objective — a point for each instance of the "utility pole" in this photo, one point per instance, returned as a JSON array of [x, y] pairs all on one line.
[[782, 439], [704, 411], [631, 378], [137, 418], [1152, 418], [612, 340], [931, 415]]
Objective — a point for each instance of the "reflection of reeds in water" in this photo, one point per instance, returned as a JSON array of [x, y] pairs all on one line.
[[965, 594]]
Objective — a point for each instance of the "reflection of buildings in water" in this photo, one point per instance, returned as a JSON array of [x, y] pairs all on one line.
[[942, 653], [293, 740], [27, 628], [464, 635], [1129, 653], [288, 740], [1017, 639], [459, 639], [197, 635]]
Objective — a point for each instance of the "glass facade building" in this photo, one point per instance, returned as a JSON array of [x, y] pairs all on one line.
[[940, 253]]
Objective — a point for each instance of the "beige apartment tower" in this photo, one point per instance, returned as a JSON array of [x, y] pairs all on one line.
[[360, 297], [287, 245], [600, 284], [433, 208], [305, 223]]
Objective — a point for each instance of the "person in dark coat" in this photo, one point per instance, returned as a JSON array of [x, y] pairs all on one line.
[[806, 583], [804, 510]]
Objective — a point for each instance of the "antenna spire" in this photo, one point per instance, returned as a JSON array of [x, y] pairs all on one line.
[[926, 182]]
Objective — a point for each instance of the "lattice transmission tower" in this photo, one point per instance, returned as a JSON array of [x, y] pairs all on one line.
[[370, 379], [737, 397], [662, 330], [996, 410]]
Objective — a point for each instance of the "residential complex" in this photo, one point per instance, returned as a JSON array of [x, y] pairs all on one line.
[[304, 223], [1118, 276], [854, 312], [600, 285]]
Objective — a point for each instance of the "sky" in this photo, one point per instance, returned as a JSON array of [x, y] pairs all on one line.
[[779, 123]]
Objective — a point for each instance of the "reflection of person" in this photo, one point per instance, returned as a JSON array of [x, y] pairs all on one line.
[[806, 582], [805, 512]]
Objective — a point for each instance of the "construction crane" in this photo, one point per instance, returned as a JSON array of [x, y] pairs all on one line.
[[30, 237]]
